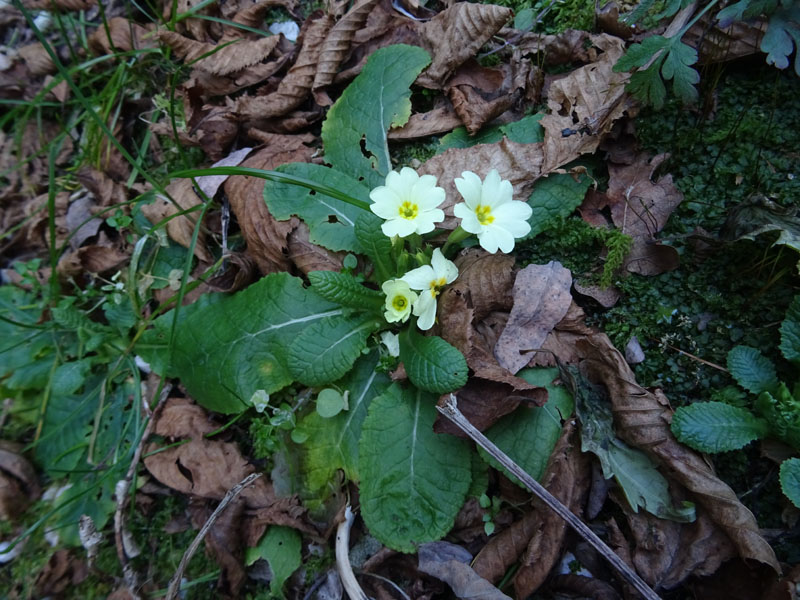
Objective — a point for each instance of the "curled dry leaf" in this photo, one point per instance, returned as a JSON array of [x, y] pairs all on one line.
[[220, 59], [19, 486], [450, 563], [583, 106], [180, 417], [250, 14], [62, 572], [570, 46], [666, 553], [455, 35], [584, 587], [605, 297], [640, 208], [80, 222], [224, 542], [336, 46], [37, 59], [541, 300], [295, 86], [121, 35], [266, 237], [179, 228], [307, 256], [642, 419], [521, 164], [61, 5], [438, 120]]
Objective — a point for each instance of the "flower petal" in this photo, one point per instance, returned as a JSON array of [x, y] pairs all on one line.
[[401, 227], [425, 309], [443, 267], [470, 188], [469, 220], [419, 278]]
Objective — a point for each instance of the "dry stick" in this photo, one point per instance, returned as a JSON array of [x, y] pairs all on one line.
[[343, 566], [450, 410], [175, 582], [697, 358], [121, 490]]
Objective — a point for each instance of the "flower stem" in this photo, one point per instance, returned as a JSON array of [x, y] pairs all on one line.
[[458, 235]]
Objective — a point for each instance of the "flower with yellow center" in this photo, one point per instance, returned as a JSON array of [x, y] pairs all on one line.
[[399, 300], [429, 280], [408, 203], [490, 212]]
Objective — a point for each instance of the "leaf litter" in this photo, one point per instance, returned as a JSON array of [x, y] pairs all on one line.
[[501, 318]]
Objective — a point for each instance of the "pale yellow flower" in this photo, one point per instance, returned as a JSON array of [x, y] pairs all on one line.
[[429, 280], [408, 203], [399, 300]]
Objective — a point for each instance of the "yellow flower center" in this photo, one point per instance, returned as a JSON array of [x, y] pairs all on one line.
[[408, 210], [484, 214], [436, 286], [399, 303]]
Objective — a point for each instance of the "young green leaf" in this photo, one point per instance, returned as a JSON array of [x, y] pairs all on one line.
[[783, 34], [413, 481], [782, 411], [375, 245], [332, 444], [752, 370], [529, 434], [678, 67], [326, 350], [790, 480], [329, 403], [431, 363], [555, 197], [330, 221], [790, 332], [345, 290], [716, 427], [379, 98], [282, 548]]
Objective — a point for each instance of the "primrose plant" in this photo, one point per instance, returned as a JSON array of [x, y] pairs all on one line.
[[339, 334], [721, 427]]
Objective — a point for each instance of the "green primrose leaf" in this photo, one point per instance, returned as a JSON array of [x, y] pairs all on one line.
[[555, 197], [525, 131], [716, 427], [752, 370], [326, 350], [345, 290], [790, 332], [529, 434], [790, 480], [782, 411], [330, 221], [431, 363], [282, 548], [375, 245], [379, 98], [226, 351], [329, 403], [413, 481]]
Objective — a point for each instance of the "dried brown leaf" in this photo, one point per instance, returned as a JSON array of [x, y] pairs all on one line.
[[59, 5], [605, 297], [521, 164], [307, 256], [336, 46], [224, 543], [584, 587], [587, 101], [80, 222], [569, 46], [450, 563], [438, 120], [220, 59], [266, 237], [62, 571], [99, 258], [180, 417], [19, 486], [295, 86], [251, 14], [455, 35], [607, 20], [105, 190], [642, 419], [180, 228], [541, 300], [237, 272], [121, 35], [37, 59]]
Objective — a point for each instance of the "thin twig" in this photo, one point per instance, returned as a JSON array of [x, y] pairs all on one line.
[[175, 582], [450, 410], [697, 358], [343, 566], [122, 488]]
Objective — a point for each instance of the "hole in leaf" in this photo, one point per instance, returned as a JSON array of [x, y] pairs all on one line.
[[332, 219]]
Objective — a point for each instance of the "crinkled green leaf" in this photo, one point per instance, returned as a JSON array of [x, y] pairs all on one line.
[[525, 131], [21, 341], [413, 481], [431, 363], [325, 350], [529, 434], [555, 197], [92, 494], [330, 221], [790, 332], [282, 548], [333, 443], [782, 411], [227, 350], [636, 474], [375, 245], [69, 377], [752, 370], [790, 480], [523, 20], [343, 289], [379, 98], [716, 427], [781, 38], [33, 375]]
